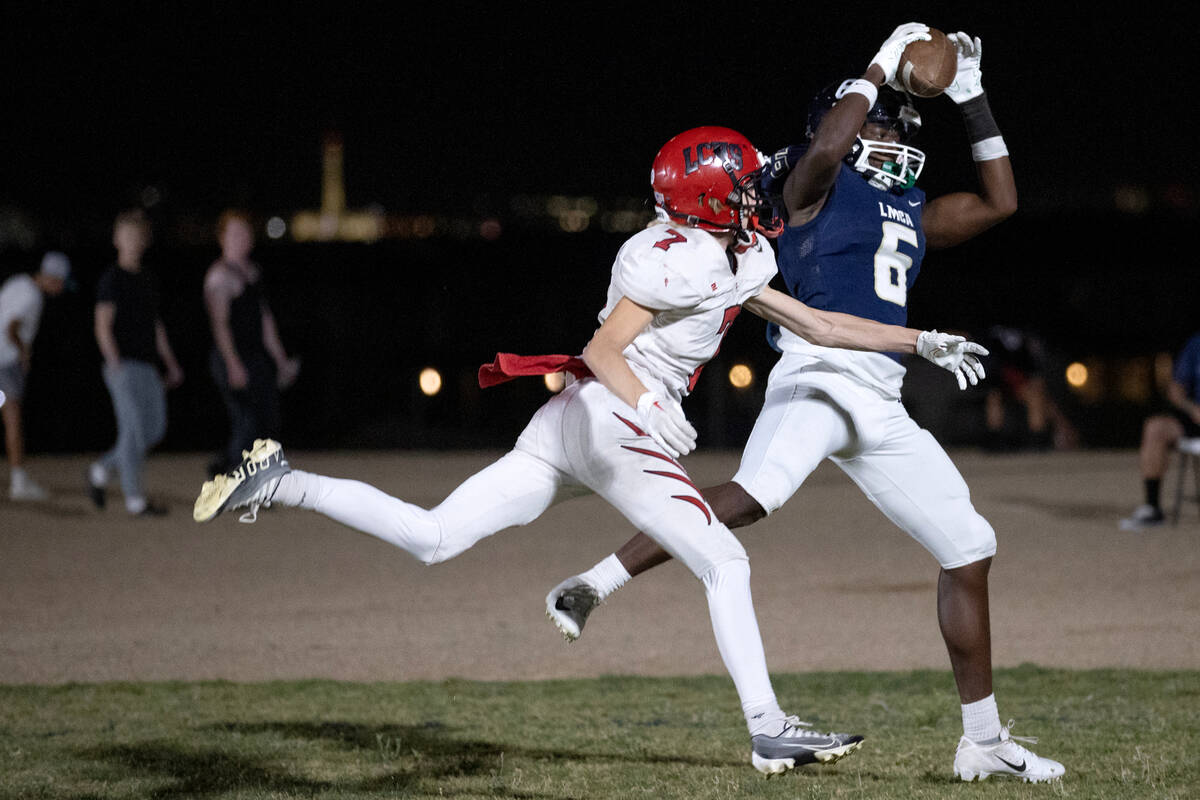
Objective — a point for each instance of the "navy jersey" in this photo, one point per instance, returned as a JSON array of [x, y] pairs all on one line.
[[860, 254]]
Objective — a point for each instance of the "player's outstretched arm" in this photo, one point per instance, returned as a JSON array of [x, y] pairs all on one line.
[[814, 173], [831, 328], [953, 218], [834, 329]]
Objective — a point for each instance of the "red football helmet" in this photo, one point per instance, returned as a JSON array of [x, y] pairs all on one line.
[[707, 178]]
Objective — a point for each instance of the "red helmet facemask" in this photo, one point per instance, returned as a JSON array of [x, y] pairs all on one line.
[[707, 178]]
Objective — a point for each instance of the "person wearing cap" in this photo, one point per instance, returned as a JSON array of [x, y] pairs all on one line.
[[21, 299], [132, 338]]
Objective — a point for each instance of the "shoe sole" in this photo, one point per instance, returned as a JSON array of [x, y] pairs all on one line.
[[566, 633], [970, 777], [1134, 527], [778, 766], [215, 494]]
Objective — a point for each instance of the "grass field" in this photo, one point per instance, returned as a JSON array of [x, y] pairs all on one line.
[[1122, 734]]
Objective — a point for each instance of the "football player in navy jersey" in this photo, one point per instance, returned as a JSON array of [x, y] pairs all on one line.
[[856, 230]]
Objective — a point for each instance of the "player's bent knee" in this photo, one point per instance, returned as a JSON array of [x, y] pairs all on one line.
[[977, 543], [723, 575], [435, 547]]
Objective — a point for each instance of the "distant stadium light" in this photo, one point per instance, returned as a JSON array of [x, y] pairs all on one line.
[[741, 376], [151, 196], [424, 226], [555, 381], [490, 229], [1077, 375], [276, 227], [574, 221], [430, 381]]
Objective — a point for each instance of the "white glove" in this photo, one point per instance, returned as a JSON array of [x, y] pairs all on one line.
[[666, 424], [888, 57], [968, 81], [953, 353]]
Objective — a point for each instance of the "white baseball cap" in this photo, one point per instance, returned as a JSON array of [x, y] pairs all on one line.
[[55, 265]]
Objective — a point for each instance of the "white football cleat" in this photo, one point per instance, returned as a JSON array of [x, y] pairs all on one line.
[[1005, 758], [569, 604]]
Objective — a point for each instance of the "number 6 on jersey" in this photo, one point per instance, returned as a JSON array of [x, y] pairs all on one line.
[[891, 266]]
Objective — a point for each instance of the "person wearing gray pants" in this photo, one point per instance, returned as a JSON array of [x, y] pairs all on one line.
[[132, 338]]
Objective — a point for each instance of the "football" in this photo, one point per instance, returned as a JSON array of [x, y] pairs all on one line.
[[928, 67]]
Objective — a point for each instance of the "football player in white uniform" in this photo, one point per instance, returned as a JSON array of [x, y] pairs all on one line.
[[857, 229], [618, 427]]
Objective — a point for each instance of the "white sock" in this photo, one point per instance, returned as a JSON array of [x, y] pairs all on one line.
[[135, 505], [97, 474], [981, 720], [764, 716], [607, 576], [19, 476]]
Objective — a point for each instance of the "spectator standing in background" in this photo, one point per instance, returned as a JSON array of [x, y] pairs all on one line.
[[132, 338], [21, 300], [248, 362]]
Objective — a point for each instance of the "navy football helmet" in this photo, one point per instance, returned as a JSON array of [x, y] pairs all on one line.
[[902, 163]]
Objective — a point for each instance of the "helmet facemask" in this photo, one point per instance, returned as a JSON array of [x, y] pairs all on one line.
[[901, 165], [750, 204]]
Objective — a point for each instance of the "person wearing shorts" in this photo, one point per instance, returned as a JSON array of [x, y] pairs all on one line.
[[22, 298], [1161, 432]]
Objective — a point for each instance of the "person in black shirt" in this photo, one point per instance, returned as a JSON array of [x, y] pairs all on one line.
[[249, 363], [132, 338]]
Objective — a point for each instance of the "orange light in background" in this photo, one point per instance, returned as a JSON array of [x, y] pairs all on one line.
[[430, 381], [741, 376], [1077, 375], [490, 229], [555, 381]]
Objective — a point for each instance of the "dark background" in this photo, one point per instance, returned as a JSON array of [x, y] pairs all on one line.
[[458, 112]]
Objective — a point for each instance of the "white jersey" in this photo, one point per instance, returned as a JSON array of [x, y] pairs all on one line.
[[20, 301], [687, 278]]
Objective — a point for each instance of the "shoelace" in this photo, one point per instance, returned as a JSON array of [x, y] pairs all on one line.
[[799, 726], [261, 498], [258, 499], [1008, 729]]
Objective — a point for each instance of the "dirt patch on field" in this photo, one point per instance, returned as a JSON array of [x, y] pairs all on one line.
[[91, 596]]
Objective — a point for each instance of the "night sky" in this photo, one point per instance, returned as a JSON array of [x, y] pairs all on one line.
[[458, 111], [462, 108]]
